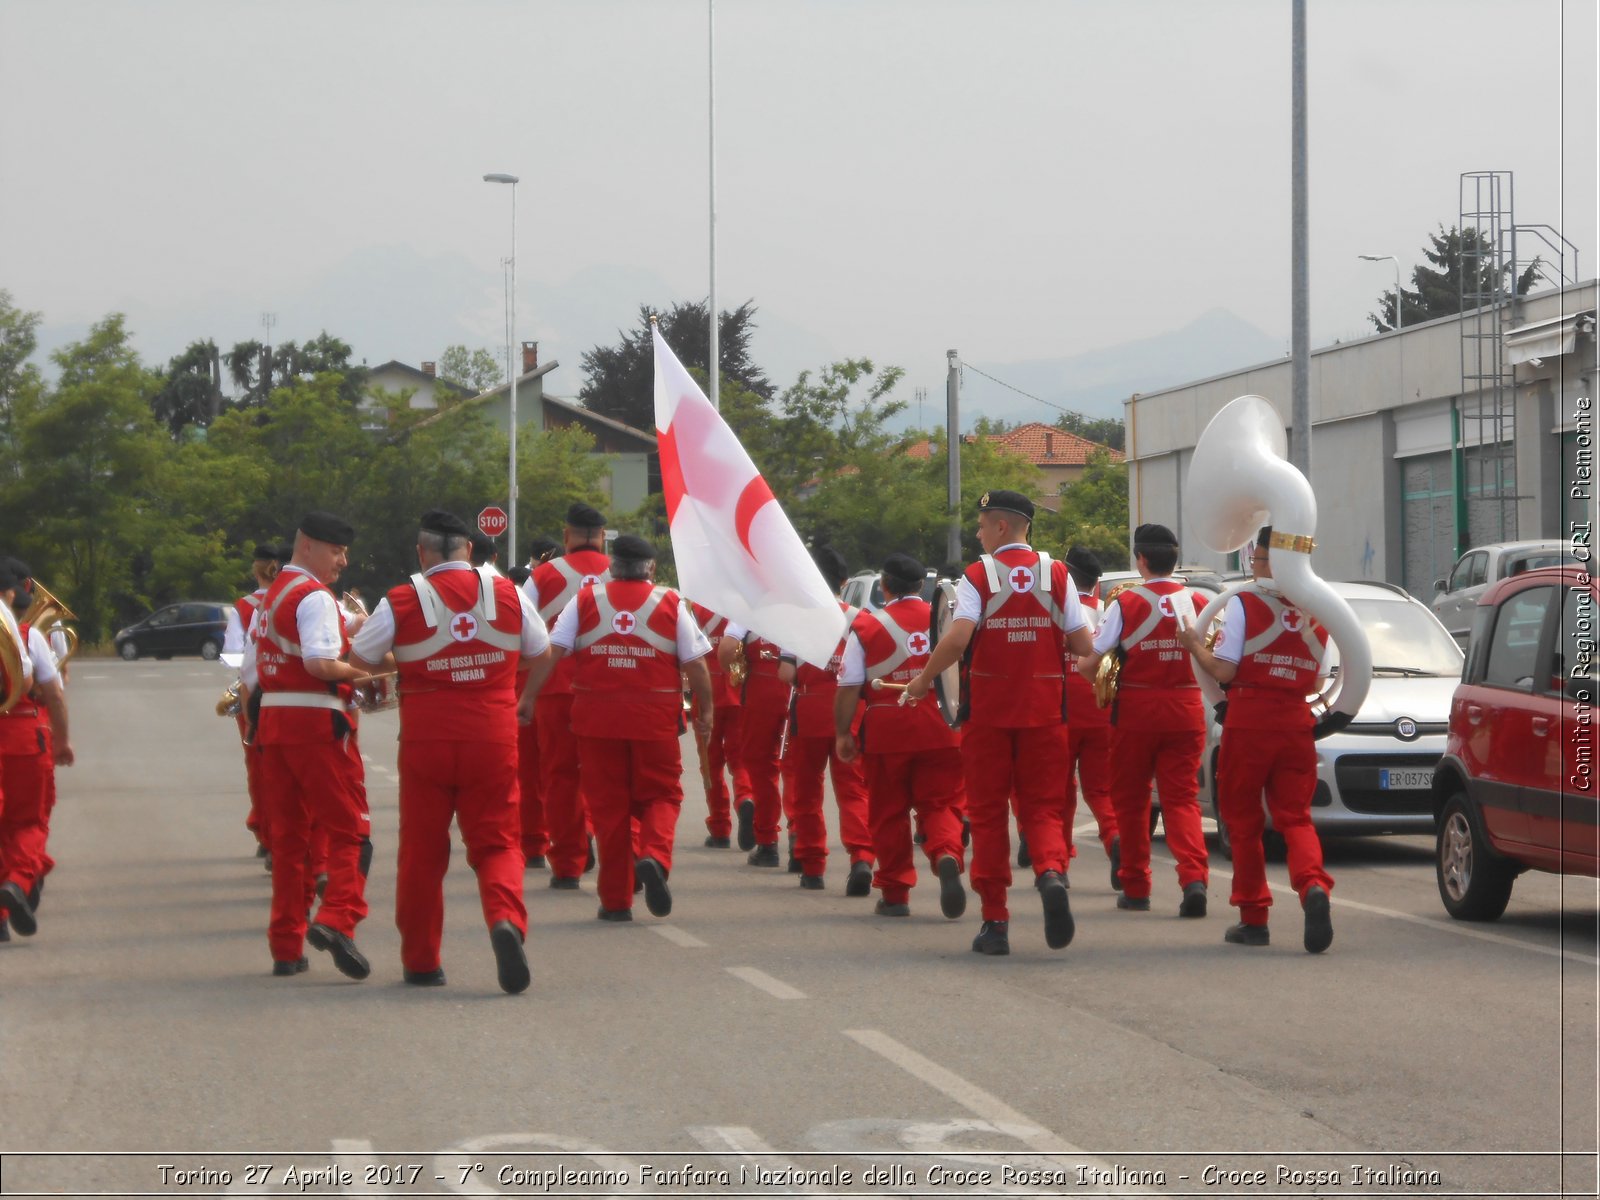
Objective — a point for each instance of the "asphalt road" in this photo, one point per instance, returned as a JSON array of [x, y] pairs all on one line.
[[760, 1027]]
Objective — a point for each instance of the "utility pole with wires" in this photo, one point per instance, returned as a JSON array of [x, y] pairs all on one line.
[[952, 432]]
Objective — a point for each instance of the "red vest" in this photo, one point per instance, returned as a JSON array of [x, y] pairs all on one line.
[[1082, 711], [762, 687], [722, 693], [815, 688], [246, 607], [1156, 687], [296, 706], [556, 582], [625, 678], [21, 728], [895, 643], [1278, 668], [1016, 678], [457, 643]]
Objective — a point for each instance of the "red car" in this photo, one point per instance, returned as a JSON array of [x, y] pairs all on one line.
[[1516, 789]]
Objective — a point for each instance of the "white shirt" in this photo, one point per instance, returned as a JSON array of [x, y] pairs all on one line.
[[692, 644], [44, 663], [376, 637], [1110, 631], [233, 639], [969, 604], [853, 663], [316, 624]]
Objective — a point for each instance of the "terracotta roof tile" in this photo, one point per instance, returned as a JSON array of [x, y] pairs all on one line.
[[1047, 446]]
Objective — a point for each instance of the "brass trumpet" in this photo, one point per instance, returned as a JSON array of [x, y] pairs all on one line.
[[48, 614], [231, 702]]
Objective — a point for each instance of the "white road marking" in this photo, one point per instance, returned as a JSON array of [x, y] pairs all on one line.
[[1455, 927], [775, 988], [89, 677], [678, 937], [740, 1139]]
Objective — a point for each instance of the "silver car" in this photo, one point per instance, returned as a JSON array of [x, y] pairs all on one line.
[[1375, 775], [1457, 597]]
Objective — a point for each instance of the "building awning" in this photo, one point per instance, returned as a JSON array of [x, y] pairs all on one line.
[[1547, 339]]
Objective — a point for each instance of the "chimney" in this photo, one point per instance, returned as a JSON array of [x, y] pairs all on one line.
[[429, 369], [1049, 445], [530, 357]]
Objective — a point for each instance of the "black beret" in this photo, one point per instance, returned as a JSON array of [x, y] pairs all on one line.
[[325, 527], [632, 548], [1004, 501], [518, 575], [1153, 536], [266, 551], [832, 565], [903, 570], [1085, 562], [483, 547], [437, 520], [284, 551], [542, 549], [20, 569], [8, 578], [585, 516]]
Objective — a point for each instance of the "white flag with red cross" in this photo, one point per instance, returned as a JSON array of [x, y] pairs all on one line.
[[737, 554]]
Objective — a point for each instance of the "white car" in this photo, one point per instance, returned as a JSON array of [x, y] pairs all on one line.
[[1376, 774], [1457, 597]]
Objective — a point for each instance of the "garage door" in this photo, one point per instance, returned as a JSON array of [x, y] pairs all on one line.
[[1428, 511]]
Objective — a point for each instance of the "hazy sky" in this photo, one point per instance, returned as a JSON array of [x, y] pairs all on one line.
[[1019, 180]]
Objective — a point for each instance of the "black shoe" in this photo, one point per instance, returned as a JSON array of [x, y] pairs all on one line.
[[1116, 864], [966, 830], [615, 914], [638, 885], [1058, 923], [5, 928], [1319, 923], [1194, 900], [657, 896], [860, 881], [590, 859], [261, 850], [885, 909], [15, 903], [952, 896], [509, 960], [346, 957], [564, 883], [811, 883], [267, 862], [36, 891], [919, 839], [1134, 903], [795, 866], [292, 967], [322, 884], [364, 859], [718, 843], [1024, 859], [433, 978], [537, 860], [993, 938], [763, 856], [1248, 935], [747, 824]]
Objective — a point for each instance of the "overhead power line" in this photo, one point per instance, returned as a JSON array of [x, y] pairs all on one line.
[[1037, 399]]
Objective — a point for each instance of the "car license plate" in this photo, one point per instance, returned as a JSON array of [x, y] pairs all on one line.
[[1405, 779]]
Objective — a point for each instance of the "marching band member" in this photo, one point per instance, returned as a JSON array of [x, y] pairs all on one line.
[[631, 643], [764, 701], [264, 566], [459, 635], [722, 750], [1158, 725], [1089, 725], [311, 768], [812, 752], [530, 784], [1273, 655], [911, 758], [32, 744], [1019, 611], [552, 587]]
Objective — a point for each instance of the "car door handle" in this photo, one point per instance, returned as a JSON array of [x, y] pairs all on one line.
[[1541, 726], [1475, 713]]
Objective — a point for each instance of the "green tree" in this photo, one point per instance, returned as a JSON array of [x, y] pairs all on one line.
[[19, 379], [619, 381], [191, 390], [1437, 291], [1093, 513], [1104, 431], [257, 370], [478, 369]]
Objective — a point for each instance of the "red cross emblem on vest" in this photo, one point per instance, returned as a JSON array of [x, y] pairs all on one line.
[[623, 622], [917, 644], [1293, 619], [464, 627], [591, 580], [1021, 580], [1165, 605]]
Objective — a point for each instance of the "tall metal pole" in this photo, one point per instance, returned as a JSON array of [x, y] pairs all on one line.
[[711, 91], [516, 370], [1300, 302], [952, 430]]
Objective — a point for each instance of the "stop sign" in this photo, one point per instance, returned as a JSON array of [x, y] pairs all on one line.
[[492, 521]]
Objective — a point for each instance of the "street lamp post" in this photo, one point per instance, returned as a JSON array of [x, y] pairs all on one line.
[[511, 365], [1399, 316]]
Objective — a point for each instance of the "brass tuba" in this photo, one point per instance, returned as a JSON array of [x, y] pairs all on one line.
[[14, 660], [1240, 480], [1109, 671], [49, 615]]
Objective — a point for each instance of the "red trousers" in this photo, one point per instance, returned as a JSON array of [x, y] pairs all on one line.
[[1171, 757], [566, 810], [762, 733], [635, 791], [25, 793], [255, 822], [805, 763], [725, 749], [530, 790], [927, 782], [477, 785], [1284, 766], [1089, 771], [317, 784], [996, 762]]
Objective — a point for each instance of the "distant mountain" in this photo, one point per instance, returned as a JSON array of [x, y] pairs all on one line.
[[1097, 382]]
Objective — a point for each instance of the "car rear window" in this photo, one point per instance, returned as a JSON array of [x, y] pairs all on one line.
[[1514, 644], [1516, 564]]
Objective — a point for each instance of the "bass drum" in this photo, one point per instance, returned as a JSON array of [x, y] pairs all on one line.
[[950, 685]]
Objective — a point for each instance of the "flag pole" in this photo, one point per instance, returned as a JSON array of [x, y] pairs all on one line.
[[711, 305]]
